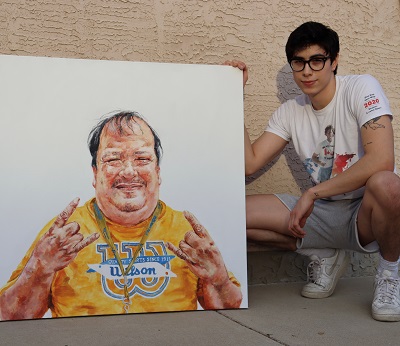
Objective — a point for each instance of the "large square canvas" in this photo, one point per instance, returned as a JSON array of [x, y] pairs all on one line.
[[48, 108]]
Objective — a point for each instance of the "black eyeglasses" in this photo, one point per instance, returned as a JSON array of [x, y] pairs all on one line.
[[316, 64]]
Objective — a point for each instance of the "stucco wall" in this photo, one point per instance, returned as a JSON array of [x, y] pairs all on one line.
[[210, 32]]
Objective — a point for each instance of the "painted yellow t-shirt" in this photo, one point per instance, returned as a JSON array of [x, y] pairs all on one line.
[[92, 284]]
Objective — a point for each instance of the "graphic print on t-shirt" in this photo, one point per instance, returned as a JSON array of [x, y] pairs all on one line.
[[148, 277], [321, 162], [341, 163]]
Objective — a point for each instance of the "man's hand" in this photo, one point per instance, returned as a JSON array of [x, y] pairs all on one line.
[[300, 213], [240, 65], [62, 242], [201, 254]]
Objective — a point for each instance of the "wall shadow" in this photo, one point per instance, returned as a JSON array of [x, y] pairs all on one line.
[[287, 90]]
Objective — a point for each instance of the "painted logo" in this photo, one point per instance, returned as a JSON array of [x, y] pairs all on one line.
[[148, 277]]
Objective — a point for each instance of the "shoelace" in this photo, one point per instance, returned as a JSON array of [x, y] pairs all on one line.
[[388, 290], [313, 270]]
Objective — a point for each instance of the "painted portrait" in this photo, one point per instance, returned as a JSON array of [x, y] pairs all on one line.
[[122, 188]]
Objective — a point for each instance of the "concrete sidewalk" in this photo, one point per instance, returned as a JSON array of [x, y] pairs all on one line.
[[277, 315]]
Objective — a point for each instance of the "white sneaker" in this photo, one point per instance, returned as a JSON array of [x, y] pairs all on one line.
[[386, 303], [323, 274]]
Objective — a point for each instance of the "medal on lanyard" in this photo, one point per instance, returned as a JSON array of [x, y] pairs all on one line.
[[101, 222]]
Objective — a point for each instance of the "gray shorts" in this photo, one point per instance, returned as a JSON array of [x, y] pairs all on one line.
[[332, 224]]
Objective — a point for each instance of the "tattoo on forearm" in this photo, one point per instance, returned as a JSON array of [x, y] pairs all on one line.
[[373, 124]]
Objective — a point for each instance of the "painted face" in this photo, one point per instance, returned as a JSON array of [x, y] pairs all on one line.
[[127, 177], [320, 86], [329, 135]]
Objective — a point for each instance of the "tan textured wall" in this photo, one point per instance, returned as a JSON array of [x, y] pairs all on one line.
[[208, 32]]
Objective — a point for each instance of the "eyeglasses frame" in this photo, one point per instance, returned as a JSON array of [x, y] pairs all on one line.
[[323, 58]]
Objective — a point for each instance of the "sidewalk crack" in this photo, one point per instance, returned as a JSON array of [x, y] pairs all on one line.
[[269, 336]]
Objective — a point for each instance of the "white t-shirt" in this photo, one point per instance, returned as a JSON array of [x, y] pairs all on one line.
[[358, 99]]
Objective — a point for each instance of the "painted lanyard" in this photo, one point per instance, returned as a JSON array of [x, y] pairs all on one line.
[[101, 222]]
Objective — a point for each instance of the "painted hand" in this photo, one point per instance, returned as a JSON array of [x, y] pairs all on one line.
[[62, 242], [201, 254]]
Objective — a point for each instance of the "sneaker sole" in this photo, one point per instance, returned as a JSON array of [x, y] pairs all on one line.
[[386, 318], [320, 295]]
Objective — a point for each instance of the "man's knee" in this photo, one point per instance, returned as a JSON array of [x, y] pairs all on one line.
[[384, 188]]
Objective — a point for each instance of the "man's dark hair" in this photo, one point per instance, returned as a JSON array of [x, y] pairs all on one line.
[[313, 33], [118, 120]]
